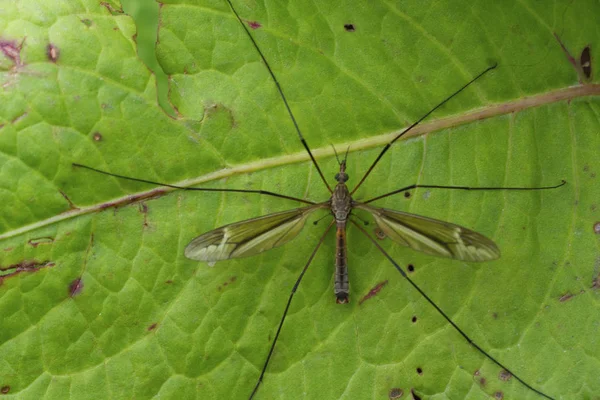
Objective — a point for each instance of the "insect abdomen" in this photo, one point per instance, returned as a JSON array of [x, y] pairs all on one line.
[[341, 286]]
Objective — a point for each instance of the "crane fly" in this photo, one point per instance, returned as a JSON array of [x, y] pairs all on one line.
[[430, 236]]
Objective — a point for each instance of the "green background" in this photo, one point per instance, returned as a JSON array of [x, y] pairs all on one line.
[[147, 322]]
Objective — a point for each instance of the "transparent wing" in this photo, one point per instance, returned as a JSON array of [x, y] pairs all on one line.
[[432, 236], [249, 237]]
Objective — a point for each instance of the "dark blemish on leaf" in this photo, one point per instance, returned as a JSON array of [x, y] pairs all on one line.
[[224, 284], [495, 315], [411, 268], [482, 381], [414, 319], [168, 281], [349, 27], [379, 234], [152, 327], [35, 242], [567, 53], [5, 389], [504, 375], [97, 137], [52, 52], [499, 395], [419, 371], [407, 195], [71, 205], [75, 287], [87, 22], [414, 395], [23, 266], [143, 208], [373, 292], [12, 50], [254, 24], [395, 393], [565, 297], [597, 228], [585, 60], [111, 9]]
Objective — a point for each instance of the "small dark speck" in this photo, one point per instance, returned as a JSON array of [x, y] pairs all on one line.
[[495, 315], [407, 195], [75, 287], [152, 327], [87, 22], [97, 136], [419, 371], [482, 381], [52, 52], [349, 27], [597, 228], [395, 393], [169, 281], [499, 395], [411, 268], [414, 319], [5, 389]]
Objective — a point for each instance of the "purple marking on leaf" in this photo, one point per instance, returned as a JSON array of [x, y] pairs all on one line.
[[75, 287]]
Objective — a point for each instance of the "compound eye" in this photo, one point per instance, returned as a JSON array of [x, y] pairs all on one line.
[[346, 177], [337, 177]]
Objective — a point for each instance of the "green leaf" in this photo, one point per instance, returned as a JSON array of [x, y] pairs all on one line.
[[97, 299]]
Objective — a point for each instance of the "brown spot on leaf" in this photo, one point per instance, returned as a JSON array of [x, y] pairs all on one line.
[[35, 242], [5, 389], [499, 395], [152, 327], [349, 27], [373, 291], [75, 287], [24, 266], [12, 50], [395, 393], [379, 234], [419, 370], [111, 9], [597, 228], [97, 137], [414, 319], [407, 195], [504, 375], [52, 52], [410, 268]]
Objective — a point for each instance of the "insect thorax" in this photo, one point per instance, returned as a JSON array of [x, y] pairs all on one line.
[[341, 202]]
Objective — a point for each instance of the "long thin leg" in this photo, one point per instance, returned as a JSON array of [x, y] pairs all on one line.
[[387, 146], [280, 90], [404, 189], [287, 306], [439, 310], [265, 192]]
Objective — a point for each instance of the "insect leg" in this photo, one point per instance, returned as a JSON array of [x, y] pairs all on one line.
[[404, 189], [287, 306], [439, 310]]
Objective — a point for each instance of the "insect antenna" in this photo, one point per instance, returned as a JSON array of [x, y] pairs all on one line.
[[336, 154], [265, 192], [387, 146], [443, 314], [287, 306], [280, 90]]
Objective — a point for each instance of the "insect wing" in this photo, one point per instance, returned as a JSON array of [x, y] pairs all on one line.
[[432, 236], [249, 237]]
